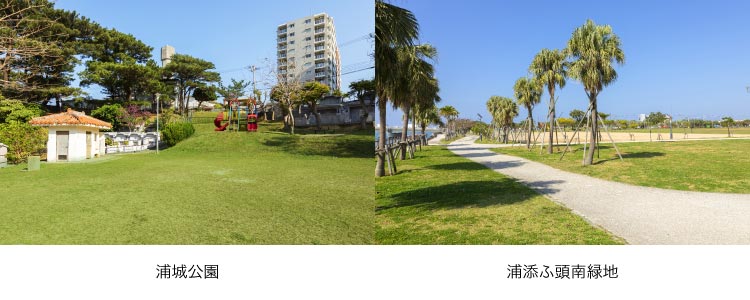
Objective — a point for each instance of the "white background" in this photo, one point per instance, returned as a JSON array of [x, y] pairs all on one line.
[[370, 272]]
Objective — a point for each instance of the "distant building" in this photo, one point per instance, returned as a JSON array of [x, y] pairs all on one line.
[[307, 50], [166, 54], [335, 111]]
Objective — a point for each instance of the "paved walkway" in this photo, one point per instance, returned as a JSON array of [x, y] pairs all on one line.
[[640, 215]]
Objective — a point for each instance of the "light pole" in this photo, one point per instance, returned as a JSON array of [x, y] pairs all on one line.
[[670, 126], [157, 122]]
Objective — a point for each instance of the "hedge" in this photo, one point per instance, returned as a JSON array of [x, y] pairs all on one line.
[[22, 140], [175, 132]]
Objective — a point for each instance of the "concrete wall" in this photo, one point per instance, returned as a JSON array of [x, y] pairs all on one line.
[[76, 142]]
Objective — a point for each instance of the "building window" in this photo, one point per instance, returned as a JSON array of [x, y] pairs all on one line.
[[307, 30], [307, 64], [307, 21], [308, 38], [291, 42], [308, 55], [291, 25]]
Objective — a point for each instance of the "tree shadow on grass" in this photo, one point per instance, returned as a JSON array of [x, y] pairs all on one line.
[[464, 194], [645, 154], [332, 146]]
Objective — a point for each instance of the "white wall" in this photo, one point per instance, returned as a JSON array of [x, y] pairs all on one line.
[[76, 142]]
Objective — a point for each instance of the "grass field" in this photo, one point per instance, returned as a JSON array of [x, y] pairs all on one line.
[[213, 188], [441, 198], [706, 166]]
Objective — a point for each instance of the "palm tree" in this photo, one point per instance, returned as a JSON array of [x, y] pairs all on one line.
[[550, 68], [502, 110], [426, 114], [416, 83], [395, 27], [528, 93], [449, 113], [594, 50], [727, 122]]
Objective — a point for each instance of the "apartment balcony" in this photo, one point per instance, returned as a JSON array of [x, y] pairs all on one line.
[[320, 56], [282, 32], [281, 40], [320, 75], [319, 21], [319, 30], [320, 48], [320, 39], [320, 65], [282, 48]]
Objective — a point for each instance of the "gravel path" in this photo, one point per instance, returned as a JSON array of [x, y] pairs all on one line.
[[640, 215]]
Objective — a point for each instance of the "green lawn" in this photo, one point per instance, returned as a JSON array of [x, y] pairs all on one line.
[[441, 198], [213, 188], [706, 166]]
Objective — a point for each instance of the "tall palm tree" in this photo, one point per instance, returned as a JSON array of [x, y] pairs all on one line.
[[449, 113], [425, 104], [417, 82], [550, 69], [395, 27], [426, 114], [594, 50], [528, 93], [502, 110]]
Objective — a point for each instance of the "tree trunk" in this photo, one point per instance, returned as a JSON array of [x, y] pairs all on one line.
[[551, 117], [414, 125], [593, 135], [291, 119], [404, 132], [380, 165], [315, 112], [531, 127]]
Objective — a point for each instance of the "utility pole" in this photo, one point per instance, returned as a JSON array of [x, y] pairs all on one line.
[[158, 95]]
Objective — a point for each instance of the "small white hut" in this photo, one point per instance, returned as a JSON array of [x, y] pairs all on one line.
[[73, 136]]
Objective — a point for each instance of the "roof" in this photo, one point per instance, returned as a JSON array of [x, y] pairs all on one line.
[[68, 118]]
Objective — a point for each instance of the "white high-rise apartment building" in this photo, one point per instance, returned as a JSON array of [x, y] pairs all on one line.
[[307, 50]]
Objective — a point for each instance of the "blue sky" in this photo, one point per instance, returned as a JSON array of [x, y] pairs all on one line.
[[685, 58], [232, 34]]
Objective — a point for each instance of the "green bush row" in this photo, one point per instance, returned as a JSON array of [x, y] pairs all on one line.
[[175, 132]]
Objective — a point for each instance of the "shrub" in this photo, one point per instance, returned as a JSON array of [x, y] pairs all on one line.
[[109, 113], [175, 132], [22, 140]]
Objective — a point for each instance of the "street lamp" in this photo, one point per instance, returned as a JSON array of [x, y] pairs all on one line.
[[158, 134]]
